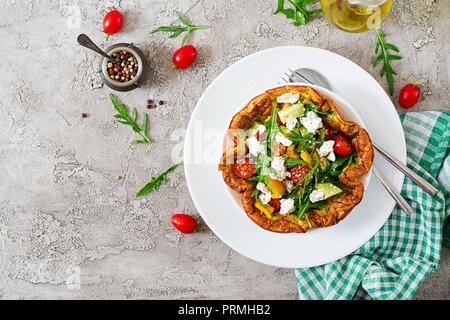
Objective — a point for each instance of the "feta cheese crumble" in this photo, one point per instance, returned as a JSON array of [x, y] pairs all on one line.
[[288, 98], [279, 169], [326, 150], [254, 146], [311, 122], [261, 129], [283, 140], [288, 184], [291, 122], [265, 195], [286, 206], [316, 195]]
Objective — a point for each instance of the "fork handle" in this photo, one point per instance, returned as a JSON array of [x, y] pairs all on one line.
[[408, 172], [390, 189]]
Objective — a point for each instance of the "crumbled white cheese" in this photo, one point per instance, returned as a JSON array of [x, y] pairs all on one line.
[[289, 185], [291, 122], [286, 206], [331, 156], [283, 140], [265, 195], [316, 195], [288, 98], [326, 150], [311, 122], [279, 169], [254, 146], [261, 129]]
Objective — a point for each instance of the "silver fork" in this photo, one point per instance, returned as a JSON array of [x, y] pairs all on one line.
[[313, 77]]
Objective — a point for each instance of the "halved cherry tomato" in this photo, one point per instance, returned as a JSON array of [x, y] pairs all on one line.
[[259, 136], [275, 203], [298, 172], [112, 22], [343, 145], [279, 120], [185, 56], [409, 95], [244, 168], [328, 132], [184, 223]]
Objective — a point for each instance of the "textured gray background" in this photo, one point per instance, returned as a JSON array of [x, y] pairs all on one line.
[[63, 211]]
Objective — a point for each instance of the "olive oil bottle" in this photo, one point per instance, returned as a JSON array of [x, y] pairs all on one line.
[[356, 15]]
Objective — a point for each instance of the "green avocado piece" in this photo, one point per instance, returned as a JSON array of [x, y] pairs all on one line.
[[328, 189], [294, 111], [253, 129]]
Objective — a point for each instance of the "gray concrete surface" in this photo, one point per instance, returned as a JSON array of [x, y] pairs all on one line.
[[69, 228]]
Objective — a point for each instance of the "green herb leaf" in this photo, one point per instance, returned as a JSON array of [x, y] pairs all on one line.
[[131, 121], [176, 31], [154, 183], [299, 13], [386, 57]]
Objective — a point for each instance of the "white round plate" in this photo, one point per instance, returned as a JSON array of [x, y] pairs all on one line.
[[228, 94]]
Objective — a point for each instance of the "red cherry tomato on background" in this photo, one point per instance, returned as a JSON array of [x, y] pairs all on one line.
[[409, 95], [298, 172], [343, 145], [244, 168], [184, 223], [276, 204], [328, 132], [112, 22], [185, 56]]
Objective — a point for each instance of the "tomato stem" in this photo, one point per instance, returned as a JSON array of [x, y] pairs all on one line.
[[107, 36], [415, 83], [174, 67], [198, 230]]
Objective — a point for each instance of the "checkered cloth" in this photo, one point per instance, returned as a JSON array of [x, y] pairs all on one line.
[[395, 261]]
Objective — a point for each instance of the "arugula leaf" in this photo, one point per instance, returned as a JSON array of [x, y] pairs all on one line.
[[386, 57], [294, 162], [299, 13], [154, 183], [131, 121], [310, 106], [176, 31], [272, 128], [298, 138]]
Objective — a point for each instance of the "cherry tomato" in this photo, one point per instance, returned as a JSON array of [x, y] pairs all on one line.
[[184, 223], [298, 172], [275, 203], [244, 168], [409, 95], [279, 120], [343, 145], [185, 56], [112, 22], [328, 132]]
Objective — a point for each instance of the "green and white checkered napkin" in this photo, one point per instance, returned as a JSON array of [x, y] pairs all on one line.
[[394, 262]]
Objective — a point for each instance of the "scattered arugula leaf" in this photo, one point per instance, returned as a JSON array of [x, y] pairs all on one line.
[[385, 56], [131, 121], [299, 13], [154, 183], [176, 31]]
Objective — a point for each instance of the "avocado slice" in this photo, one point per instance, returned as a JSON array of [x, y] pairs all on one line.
[[253, 129], [295, 111], [328, 189]]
